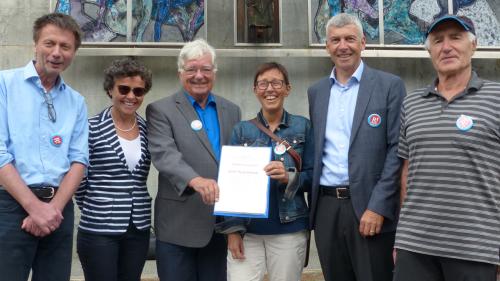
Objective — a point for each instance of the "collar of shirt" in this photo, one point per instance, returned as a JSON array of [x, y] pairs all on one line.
[[30, 74], [284, 119], [209, 119], [475, 83], [195, 104], [355, 78]]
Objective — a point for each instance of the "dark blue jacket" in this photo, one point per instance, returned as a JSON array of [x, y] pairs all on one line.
[[296, 130]]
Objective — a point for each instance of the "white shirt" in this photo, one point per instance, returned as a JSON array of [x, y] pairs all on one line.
[[131, 150]]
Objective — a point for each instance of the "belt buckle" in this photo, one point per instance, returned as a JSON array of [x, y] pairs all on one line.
[[52, 192], [337, 191]]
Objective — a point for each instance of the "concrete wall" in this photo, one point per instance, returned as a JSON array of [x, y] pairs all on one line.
[[235, 75]]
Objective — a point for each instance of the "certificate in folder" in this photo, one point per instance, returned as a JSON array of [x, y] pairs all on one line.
[[243, 183]]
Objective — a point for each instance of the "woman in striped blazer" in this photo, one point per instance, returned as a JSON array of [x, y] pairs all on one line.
[[113, 234]]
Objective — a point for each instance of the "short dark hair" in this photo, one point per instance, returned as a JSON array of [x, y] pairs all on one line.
[[269, 66], [126, 67], [62, 21]]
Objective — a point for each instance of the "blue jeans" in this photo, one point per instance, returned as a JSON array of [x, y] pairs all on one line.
[[113, 257], [49, 257]]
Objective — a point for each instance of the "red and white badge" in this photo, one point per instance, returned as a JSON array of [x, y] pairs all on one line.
[[56, 141], [280, 149], [374, 120]]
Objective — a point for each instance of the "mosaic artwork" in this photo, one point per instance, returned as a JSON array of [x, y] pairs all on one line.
[[166, 21], [405, 21]]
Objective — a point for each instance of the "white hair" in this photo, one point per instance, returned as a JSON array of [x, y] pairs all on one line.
[[470, 35], [343, 19], [194, 50]]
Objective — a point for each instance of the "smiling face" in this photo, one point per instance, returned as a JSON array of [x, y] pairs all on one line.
[[344, 45], [126, 104], [451, 49], [273, 96], [54, 51], [198, 76]]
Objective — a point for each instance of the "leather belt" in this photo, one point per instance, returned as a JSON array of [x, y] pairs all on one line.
[[339, 192], [44, 193]]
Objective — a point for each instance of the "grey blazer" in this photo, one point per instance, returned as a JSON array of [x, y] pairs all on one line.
[[179, 154], [374, 168]]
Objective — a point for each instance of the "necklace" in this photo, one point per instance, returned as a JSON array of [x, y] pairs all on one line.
[[124, 130]]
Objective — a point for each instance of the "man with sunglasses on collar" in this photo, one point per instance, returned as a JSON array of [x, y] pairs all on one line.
[[449, 227], [43, 156]]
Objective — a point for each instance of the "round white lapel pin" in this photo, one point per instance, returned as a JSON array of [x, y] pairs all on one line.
[[374, 120], [464, 122], [196, 125]]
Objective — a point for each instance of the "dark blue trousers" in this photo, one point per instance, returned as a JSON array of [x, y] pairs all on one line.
[[178, 263], [49, 257], [113, 257]]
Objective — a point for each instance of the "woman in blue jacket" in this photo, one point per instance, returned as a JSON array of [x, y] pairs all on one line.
[[276, 244], [113, 234]]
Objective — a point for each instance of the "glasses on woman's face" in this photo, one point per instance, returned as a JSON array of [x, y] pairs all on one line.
[[276, 84], [138, 92], [50, 107]]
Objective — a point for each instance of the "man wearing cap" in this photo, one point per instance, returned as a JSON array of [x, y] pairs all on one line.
[[355, 191], [449, 228], [43, 155]]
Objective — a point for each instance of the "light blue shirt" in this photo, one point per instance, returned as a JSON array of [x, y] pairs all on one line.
[[210, 122], [340, 114], [41, 150]]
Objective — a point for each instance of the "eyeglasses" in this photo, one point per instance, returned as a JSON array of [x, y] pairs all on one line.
[[276, 84], [50, 106], [138, 92], [205, 70]]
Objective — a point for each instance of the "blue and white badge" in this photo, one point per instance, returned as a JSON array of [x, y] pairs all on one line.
[[56, 141], [196, 125], [374, 120], [464, 122]]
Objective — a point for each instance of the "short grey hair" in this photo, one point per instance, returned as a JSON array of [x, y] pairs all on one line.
[[194, 50], [343, 19], [427, 43]]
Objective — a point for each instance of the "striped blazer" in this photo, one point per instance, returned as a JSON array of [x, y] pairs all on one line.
[[110, 196]]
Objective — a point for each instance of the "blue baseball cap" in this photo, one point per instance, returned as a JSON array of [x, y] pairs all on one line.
[[463, 21]]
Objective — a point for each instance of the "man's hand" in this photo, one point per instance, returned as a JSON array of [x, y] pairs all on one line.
[[45, 216], [207, 188], [235, 245], [370, 223], [276, 170], [30, 227]]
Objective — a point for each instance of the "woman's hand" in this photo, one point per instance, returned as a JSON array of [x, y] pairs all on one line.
[[276, 170], [235, 245]]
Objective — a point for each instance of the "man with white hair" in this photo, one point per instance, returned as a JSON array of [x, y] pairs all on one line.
[[186, 132], [449, 227]]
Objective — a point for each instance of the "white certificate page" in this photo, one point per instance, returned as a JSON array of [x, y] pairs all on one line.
[[243, 184]]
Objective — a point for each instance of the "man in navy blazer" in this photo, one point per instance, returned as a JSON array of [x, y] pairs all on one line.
[[355, 193]]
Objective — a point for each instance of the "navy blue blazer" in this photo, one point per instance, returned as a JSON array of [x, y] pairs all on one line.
[[373, 164], [110, 195]]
